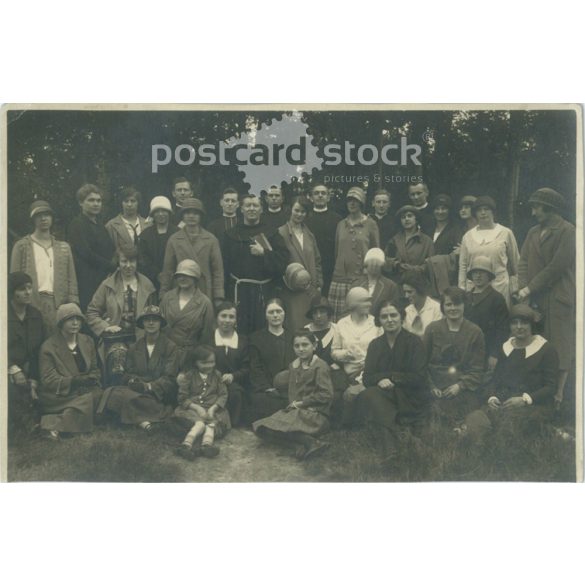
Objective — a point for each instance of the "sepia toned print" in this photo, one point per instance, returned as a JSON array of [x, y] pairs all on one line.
[[293, 293]]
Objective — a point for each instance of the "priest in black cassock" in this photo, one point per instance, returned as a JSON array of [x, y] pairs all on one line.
[[323, 223], [255, 258]]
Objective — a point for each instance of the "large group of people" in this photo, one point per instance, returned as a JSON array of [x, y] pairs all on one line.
[[290, 319]]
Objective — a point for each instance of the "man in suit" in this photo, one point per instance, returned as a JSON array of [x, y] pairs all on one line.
[[229, 218], [276, 213], [182, 189], [387, 225], [419, 197]]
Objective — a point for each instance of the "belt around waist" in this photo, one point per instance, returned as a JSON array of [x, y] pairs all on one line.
[[249, 280]]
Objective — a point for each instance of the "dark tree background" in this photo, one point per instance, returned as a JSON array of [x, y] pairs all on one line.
[[505, 154]]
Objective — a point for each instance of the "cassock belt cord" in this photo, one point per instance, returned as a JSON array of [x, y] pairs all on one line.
[[248, 281]]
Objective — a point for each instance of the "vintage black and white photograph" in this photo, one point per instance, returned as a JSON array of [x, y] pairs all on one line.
[[293, 293]]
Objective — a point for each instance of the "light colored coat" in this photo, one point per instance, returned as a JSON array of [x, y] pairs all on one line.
[[205, 251], [502, 250], [64, 279], [191, 325], [107, 304], [120, 234]]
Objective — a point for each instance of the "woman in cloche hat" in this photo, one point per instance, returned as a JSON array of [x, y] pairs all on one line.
[[149, 393], [193, 241], [495, 241], [188, 312], [524, 381], [355, 235], [49, 263], [487, 308], [70, 378]]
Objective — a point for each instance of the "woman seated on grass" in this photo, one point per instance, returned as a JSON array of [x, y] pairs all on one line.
[[456, 359], [351, 339], [232, 358], [202, 404], [149, 391], [26, 333], [70, 379], [395, 378], [524, 381], [270, 355], [310, 393]]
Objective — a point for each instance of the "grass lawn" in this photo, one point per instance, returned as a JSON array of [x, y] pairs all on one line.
[[114, 454]]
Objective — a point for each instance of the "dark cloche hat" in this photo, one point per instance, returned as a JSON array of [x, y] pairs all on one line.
[[319, 303], [150, 311], [548, 197]]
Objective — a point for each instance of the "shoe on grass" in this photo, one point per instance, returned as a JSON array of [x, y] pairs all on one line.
[[209, 451], [185, 452]]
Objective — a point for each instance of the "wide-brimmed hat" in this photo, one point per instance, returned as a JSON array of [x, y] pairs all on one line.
[[192, 204], [481, 263], [296, 277], [548, 197], [357, 193], [40, 206], [319, 303], [150, 311], [524, 311], [16, 280], [355, 296], [160, 202], [188, 268], [484, 201], [405, 209], [66, 311]]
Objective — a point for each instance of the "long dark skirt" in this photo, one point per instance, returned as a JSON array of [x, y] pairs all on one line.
[[236, 396], [69, 414], [391, 408], [295, 420], [134, 408], [522, 421]]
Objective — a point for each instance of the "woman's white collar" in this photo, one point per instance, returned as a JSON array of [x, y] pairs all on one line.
[[537, 342]]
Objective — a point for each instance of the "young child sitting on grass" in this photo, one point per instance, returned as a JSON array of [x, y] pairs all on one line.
[[202, 402], [310, 393]]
